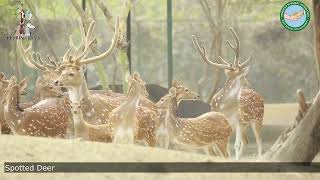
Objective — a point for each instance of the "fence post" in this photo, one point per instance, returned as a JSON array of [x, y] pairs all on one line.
[[169, 41]]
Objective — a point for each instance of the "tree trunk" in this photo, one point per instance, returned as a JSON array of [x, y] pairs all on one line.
[[217, 48], [301, 142], [98, 65], [316, 25], [122, 58]]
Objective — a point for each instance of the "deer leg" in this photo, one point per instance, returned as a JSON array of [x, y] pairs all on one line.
[[223, 148], [243, 138], [237, 144], [209, 151], [256, 127]]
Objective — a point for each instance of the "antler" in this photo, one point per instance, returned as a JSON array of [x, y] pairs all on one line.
[[203, 53], [86, 42], [106, 53], [27, 56], [236, 50]]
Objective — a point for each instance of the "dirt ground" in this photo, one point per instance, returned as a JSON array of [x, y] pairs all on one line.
[[31, 149]]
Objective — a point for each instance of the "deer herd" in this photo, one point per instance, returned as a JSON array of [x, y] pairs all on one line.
[[105, 116]]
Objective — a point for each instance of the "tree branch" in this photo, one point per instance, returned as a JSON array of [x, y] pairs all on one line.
[[50, 48]]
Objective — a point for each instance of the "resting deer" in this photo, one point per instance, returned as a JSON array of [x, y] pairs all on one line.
[[183, 93], [202, 132], [46, 118], [240, 105]]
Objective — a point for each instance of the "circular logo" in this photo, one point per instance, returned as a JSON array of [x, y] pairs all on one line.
[[295, 16]]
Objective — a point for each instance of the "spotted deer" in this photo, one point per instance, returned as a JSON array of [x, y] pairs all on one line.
[[203, 132], [4, 128], [183, 93], [242, 106], [124, 124], [46, 118], [4, 83], [125, 115]]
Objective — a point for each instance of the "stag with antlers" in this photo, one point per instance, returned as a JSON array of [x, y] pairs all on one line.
[[95, 107], [242, 106]]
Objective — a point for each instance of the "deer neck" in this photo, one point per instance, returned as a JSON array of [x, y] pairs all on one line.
[[245, 83], [78, 123], [172, 113], [227, 99], [36, 97], [12, 110], [129, 108], [78, 93]]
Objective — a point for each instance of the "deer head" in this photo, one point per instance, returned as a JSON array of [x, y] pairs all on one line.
[[21, 86], [182, 92], [236, 72], [45, 88], [137, 87], [72, 66]]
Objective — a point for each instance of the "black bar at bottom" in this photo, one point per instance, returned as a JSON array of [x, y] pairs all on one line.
[[157, 167]]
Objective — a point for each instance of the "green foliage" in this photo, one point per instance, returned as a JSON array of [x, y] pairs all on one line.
[[123, 62], [102, 76]]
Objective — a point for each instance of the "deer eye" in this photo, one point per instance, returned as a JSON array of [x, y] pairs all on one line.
[[187, 90], [71, 74]]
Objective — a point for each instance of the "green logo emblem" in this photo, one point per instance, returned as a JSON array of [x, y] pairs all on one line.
[[295, 16]]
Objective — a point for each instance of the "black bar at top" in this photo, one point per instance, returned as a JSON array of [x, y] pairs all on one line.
[[161, 167]]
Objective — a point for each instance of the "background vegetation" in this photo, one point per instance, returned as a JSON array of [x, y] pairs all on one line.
[[283, 61]]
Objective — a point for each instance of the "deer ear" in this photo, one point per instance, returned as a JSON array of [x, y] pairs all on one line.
[[23, 84], [136, 75], [172, 91], [38, 81], [2, 76], [13, 79], [227, 72], [175, 83]]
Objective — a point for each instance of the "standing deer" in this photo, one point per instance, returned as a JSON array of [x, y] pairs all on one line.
[[242, 106], [125, 116], [203, 132], [46, 118], [183, 93]]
